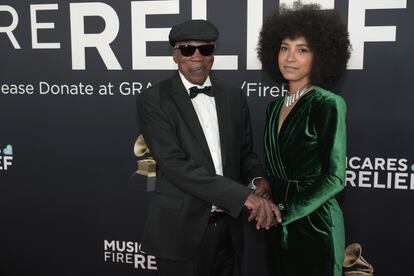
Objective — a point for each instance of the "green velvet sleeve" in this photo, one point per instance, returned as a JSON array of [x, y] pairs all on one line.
[[329, 121]]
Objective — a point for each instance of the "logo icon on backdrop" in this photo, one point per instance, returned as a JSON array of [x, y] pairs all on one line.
[[8, 150], [380, 173], [354, 264], [128, 252], [147, 165], [6, 157]]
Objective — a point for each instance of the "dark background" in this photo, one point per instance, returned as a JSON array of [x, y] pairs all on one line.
[[72, 184]]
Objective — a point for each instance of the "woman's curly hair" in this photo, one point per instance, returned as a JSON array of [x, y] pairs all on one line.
[[324, 32]]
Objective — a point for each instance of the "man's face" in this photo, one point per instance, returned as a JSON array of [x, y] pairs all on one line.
[[196, 67]]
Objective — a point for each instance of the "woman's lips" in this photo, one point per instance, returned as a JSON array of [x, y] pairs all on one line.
[[290, 68]]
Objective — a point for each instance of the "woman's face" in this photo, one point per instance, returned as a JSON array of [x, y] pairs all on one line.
[[295, 61]]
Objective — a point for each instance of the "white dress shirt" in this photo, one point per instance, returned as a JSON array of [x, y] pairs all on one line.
[[205, 108]]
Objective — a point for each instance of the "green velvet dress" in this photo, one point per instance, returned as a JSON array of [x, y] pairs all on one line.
[[306, 168]]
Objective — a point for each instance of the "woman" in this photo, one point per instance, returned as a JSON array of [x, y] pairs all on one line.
[[305, 138]]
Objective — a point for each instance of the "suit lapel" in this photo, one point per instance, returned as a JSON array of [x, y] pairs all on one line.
[[222, 107], [188, 113]]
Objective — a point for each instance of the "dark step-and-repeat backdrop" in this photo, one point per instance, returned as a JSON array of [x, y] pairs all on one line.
[[71, 202]]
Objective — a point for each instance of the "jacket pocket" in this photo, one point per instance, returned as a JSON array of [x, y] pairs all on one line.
[[319, 223], [167, 201]]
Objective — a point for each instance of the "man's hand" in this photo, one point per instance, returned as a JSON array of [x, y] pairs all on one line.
[[262, 188], [264, 211]]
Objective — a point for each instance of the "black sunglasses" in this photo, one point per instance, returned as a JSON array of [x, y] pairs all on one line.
[[189, 50]]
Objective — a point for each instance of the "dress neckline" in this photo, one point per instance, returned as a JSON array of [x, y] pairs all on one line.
[[288, 116]]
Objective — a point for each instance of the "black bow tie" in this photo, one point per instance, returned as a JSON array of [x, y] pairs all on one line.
[[194, 91]]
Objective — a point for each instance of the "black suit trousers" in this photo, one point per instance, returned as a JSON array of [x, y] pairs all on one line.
[[215, 257]]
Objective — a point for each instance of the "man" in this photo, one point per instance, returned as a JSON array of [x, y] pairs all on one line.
[[201, 141]]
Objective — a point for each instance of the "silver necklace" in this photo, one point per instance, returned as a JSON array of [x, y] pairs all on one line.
[[291, 99]]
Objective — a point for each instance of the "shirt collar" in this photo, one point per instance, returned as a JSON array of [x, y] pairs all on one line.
[[188, 84]]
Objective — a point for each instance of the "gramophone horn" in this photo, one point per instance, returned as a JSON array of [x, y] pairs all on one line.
[[140, 148], [354, 263]]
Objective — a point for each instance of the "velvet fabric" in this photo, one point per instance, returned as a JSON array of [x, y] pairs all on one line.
[[306, 168]]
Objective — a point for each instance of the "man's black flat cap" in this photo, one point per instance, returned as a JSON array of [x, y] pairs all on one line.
[[193, 30]]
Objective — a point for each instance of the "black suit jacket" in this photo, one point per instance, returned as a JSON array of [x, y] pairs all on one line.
[[187, 184]]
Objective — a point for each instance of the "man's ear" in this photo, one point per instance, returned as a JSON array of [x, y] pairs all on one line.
[[175, 56]]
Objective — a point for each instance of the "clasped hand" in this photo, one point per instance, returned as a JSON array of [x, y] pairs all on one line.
[[261, 207]]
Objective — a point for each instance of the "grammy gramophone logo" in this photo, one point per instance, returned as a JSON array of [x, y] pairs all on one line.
[[147, 165], [354, 264]]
